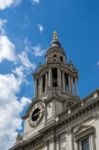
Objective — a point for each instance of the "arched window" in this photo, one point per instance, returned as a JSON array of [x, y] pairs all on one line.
[[54, 77], [61, 58], [43, 84]]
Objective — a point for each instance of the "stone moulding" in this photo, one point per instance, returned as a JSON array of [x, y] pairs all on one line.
[[68, 121]]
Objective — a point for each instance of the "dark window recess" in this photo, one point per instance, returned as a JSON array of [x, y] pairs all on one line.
[[85, 144], [73, 80], [54, 55], [66, 82], [61, 58], [54, 77], [44, 83]]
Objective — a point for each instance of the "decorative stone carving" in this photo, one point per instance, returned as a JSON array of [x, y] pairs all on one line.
[[96, 115], [19, 137]]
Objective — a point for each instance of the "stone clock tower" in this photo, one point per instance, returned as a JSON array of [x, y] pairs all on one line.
[[57, 119]]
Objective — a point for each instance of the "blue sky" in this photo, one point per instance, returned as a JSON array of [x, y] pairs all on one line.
[[26, 32]]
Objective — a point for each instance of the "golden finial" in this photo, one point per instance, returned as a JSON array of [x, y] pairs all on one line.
[[55, 37]]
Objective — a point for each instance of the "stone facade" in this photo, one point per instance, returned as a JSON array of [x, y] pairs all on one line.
[[58, 119]]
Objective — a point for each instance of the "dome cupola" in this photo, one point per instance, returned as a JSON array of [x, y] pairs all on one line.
[[55, 52]]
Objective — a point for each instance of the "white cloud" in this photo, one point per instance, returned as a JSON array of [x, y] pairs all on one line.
[[19, 72], [7, 49], [25, 61], [10, 84], [2, 23], [37, 50], [98, 63], [8, 3], [40, 27], [34, 2], [10, 105], [10, 108]]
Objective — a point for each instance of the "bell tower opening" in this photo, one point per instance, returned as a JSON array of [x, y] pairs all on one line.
[[54, 77], [61, 58], [66, 83], [43, 84]]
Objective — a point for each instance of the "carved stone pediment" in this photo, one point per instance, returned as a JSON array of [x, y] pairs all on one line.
[[82, 130], [56, 98]]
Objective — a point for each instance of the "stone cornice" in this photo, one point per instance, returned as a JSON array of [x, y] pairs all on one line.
[[68, 69], [80, 110], [57, 98], [91, 96], [68, 122], [41, 70], [63, 66], [88, 131]]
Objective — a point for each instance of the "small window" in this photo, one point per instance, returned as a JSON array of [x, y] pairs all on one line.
[[85, 144], [85, 139], [61, 58]]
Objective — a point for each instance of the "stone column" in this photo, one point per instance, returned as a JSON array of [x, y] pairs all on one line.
[[76, 89], [69, 84], [35, 88], [57, 143], [91, 142], [46, 81], [52, 144], [69, 142], [63, 81], [72, 85], [39, 87], [97, 133], [59, 77], [45, 112], [50, 77], [41, 79]]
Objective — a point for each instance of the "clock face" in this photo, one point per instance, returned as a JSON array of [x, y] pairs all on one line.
[[37, 113]]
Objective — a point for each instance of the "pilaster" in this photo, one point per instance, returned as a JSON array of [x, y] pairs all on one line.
[[76, 89], [69, 81], [59, 77], [50, 77], [52, 143], [41, 79], [46, 81], [35, 88], [63, 81]]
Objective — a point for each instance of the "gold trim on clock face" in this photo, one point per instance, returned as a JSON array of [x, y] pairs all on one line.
[[37, 113]]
